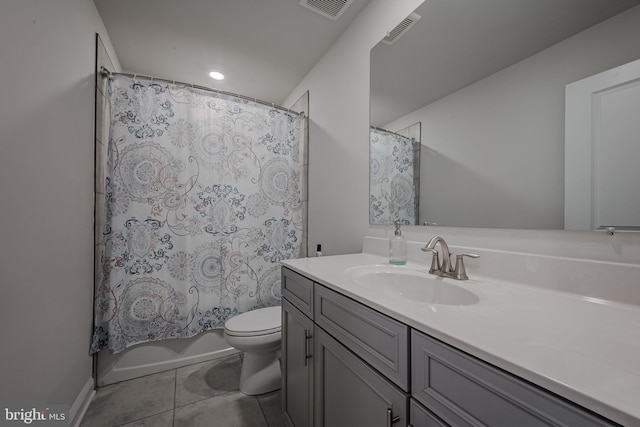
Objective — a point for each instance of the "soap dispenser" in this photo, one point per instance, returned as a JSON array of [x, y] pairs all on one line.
[[397, 247]]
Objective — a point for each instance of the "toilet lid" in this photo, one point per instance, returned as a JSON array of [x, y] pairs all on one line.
[[262, 321]]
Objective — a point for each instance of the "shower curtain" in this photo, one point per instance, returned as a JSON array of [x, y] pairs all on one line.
[[393, 195], [203, 202]]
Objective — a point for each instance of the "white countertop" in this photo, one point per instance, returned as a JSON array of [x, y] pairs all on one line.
[[584, 349]]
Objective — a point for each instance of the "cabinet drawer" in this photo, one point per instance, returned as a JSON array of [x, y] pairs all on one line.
[[298, 290], [379, 340], [465, 391]]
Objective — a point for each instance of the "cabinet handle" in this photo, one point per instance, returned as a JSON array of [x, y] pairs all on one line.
[[390, 418], [307, 340]]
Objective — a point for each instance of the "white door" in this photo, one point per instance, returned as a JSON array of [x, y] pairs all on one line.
[[602, 150]]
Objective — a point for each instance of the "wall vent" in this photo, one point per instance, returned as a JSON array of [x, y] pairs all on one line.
[[332, 9], [401, 28]]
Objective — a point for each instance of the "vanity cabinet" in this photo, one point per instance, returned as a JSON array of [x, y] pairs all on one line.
[[345, 364], [328, 378]]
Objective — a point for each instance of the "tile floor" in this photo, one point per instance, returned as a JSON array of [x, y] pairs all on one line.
[[204, 394]]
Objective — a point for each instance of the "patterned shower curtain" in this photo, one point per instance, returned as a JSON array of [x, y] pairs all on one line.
[[391, 178], [203, 202]]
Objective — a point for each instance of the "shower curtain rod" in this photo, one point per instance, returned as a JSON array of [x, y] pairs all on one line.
[[395, 133], [104, 72]]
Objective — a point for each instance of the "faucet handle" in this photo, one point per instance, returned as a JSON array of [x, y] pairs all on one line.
[[460, 271], [435, 260]]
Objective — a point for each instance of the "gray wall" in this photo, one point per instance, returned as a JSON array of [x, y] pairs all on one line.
[[47, 51], [339, 130]]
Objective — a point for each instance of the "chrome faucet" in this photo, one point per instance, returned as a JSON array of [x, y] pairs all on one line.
[[436, 267], [444, 269]]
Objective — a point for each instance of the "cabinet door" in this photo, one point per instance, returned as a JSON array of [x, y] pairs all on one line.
[[297, 366], [422, 417], [350, 393]]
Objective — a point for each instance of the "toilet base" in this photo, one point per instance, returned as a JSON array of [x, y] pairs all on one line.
[[260, 373]]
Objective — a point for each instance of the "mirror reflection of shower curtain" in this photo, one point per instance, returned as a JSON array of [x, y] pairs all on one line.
[[203, 202], [394, 163]]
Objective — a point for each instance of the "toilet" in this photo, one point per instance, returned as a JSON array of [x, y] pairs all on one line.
[[257, 333]]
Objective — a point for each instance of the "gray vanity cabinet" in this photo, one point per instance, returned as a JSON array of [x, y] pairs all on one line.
[[346, 364], [341, 360]]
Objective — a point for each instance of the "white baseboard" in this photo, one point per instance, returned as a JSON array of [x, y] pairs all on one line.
[[81, 404]]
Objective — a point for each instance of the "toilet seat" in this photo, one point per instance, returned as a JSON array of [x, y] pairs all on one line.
[[263, 321]]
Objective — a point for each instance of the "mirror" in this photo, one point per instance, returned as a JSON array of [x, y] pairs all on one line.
[[486, 79]]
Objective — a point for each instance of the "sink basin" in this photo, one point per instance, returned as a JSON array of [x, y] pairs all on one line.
[[410, 284]]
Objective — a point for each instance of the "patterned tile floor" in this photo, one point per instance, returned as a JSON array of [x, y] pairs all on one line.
[[205, 394]]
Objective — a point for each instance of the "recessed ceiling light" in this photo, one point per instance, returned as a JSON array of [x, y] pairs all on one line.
[[216, 75]]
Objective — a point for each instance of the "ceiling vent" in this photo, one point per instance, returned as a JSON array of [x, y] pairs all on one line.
[[401, 28], [328, 8]]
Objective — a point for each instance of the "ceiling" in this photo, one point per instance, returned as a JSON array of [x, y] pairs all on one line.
[[264, 47], [458, 42]]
